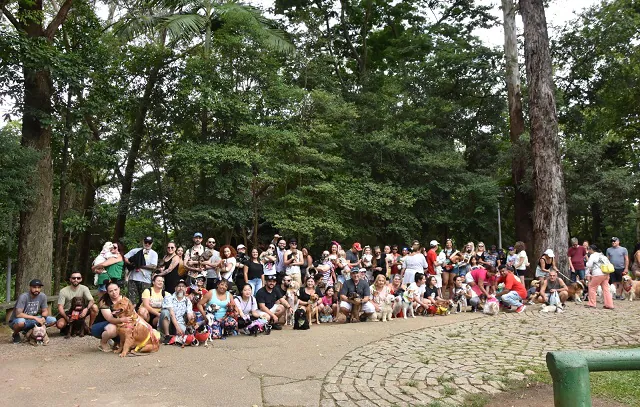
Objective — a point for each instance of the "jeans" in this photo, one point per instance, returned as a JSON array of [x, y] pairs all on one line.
[[577, 273], [166, 314], [255, 284], [30, 323], [512, 299], [98, 328], [135, 290]]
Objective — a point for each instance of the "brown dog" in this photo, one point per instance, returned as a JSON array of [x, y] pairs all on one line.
[[37, 335], [356, 307], [77, 325], [137, 335], [312, 309], [630, 288], [576, 291]]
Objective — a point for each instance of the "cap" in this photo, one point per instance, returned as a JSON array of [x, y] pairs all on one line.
[[197, 234], [355, 269], [615, 239], [510, 248], [148, 239], [271, 277], [202, 276], [35, 283], [293, 240], [549, 253], [433, 243], [357, 246], [241, 246], [181, 281], [405, 248]]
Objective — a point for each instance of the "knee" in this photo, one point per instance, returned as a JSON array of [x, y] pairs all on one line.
[[61, 323], [94, 309]]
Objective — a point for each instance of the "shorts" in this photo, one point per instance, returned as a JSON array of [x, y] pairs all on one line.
[[274, 308], [616, 276], [165, 314], [438, 280], [98, 328], [519, 273], [367, 307], [30, 323]]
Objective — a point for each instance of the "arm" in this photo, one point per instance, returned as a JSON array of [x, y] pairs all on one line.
[[626, 263], [519, 261], [573, 270], [543, 290], [203, 301], [61, 309], [553, 264], [288, 261], [240, 313], [246, 273], [145, 304], [481, 286], [563, 286], [106, 313], [109, 262], [175, 323]]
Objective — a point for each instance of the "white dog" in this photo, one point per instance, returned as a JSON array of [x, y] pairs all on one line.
[[386, 309], [491, 306]]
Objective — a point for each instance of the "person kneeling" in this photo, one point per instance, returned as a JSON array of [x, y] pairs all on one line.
[[356, 293]]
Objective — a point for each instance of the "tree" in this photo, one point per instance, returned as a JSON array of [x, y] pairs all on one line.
[[550, 226], [35, 241]]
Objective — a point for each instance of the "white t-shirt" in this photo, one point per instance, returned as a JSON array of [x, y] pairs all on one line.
[[418, 292], [297, 259], [523, 266], [247, 307], [228, 275]]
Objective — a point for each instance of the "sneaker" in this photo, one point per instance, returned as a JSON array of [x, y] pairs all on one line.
[[245, 331], [15, 338], [521, 309], [559, 310], [531, 303], [277, 327]]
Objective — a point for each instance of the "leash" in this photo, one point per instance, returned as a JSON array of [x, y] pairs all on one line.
[[567, 279]]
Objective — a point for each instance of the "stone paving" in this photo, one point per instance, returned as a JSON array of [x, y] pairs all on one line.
[[442, 365]]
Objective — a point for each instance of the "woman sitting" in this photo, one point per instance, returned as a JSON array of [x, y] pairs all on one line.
[[105, 326], [152, 298], [431, 292], [220, 298], [247, 306], [379, 291], [304, 295]]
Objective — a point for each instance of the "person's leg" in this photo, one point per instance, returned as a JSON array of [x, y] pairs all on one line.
[[257, 285], [164, 320], [368, 309], [132, 291], [109, 332], [618, 274], [563, 297], [98, 328], [61, 323], [592, 289], [144, 313], [606, 293], [512, 299], [446, 276], [93, 313], [345, 308]]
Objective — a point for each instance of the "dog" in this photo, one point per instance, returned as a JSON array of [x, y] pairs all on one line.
[[460, 302], [491, 306], [300, 320], [630, 288], [37, 336], [137, 335], [576, 291], [386, 308], [356, 307], [77, 325], [294, 302], [312, 309], [444, 307], [407, 304]]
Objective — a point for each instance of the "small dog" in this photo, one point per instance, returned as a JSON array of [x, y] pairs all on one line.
[[77, 325], [460, 299], [630, 288], [294, 302], [312, 310], [386, 308], [491, 306], [444, 307], [37, 336], [300, 320], [576, 290], [356, 307]]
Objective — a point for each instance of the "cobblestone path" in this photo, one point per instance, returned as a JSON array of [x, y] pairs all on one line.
[[441, 365]]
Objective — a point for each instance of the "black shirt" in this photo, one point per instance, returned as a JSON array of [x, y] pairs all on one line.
[[303, 296], [362, 289], [255, 270], [430, 292], [269, 299]]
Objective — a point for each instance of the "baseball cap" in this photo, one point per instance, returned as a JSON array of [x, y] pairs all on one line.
[[197, 234], [293, 240], [357, 246], [241, 246], [181, 281], [615, 239], [148, 239], [433, 243], [202, 276], [355, 270], [510, 248], [272, 277], [35, 283], [549, 253]]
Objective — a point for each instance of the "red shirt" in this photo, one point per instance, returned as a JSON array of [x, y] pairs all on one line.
[[511, 283], [431, 261], [577, 257]]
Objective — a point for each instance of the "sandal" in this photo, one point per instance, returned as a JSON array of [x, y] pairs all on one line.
[[101, 349]]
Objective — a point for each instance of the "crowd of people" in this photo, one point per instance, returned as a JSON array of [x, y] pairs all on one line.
[[177, 290]]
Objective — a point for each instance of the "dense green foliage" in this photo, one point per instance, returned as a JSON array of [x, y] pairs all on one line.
[[387, 122]]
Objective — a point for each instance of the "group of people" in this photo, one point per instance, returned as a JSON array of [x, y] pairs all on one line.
[[173, 291]]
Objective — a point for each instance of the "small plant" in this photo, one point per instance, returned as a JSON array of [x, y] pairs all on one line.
[[423, 359], [412, 383], [454, 334], [449, 391], [403, 391], [476, 400], [444, 379]]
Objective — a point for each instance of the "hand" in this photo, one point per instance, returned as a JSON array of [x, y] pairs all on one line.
[[40, 320], [83, 313], [179, 331], [125, 320]]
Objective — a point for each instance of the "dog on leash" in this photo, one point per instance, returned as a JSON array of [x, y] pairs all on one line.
[[300, 320], [37, 336], [576, 291], [630, 288], [77, 325]]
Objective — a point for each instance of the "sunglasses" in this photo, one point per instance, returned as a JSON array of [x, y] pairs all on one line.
[[114, 247], [287, 281], [76, 278], [211, 241], [170, 247], [272, 247]]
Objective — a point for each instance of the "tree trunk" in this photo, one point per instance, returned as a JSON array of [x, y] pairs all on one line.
[[136, 140], [596, 223], [84, 241], [523, 200], [550, 209]]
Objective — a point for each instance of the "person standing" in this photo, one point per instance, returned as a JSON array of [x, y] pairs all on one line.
[[281, 267], [169, 268], [576, 254], [211, 266], [352, 255], [194, 257], [66, 295], [253, 272], [414, 263], [619, 257], [31, 309], [595, 277], [140, 278], [113, 267], [522, 261], [293, 260], [432, 257]]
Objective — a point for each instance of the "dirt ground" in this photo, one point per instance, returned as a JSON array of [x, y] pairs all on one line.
[[537, 395]]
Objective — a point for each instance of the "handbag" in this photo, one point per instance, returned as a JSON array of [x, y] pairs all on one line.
[[605, 265]]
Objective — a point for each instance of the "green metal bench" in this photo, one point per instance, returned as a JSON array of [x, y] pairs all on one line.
[[570, 372]]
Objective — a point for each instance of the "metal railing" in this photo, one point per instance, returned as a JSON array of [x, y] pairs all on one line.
[[570, 372]]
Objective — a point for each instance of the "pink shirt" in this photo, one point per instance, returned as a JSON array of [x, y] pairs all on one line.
[[481, 273]]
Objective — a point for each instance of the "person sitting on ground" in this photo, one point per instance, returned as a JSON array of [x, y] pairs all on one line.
[[396, 284], [431, 293], [533, 292], [379, 291], [175, 308], [105, 326], [152, 299], [247, 306], [328, 302], [553, 284], [304, 295], [514, 292], [31, 310], [359, 286], [219, 297], [66, 295], [271, 302], [326, 269]]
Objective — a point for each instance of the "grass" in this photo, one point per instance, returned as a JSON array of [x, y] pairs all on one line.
[[423, 359], [444, 379], [411, 383], [476, 400], [449, 391]]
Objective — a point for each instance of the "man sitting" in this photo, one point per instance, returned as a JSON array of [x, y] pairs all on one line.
[[174, 309], [67, 294], [31, 309], [271, 301], [550, 285], [356, 285]]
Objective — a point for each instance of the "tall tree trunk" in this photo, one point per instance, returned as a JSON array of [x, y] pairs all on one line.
[[523, 200], [596, 223], [136, 140], [550, 209], [84, 241]]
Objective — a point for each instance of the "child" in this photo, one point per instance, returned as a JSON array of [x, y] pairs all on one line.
[[473, 263], [533, 292], [344, 263], [329, 306], [512, 257], [431, 292], [101, 258]]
